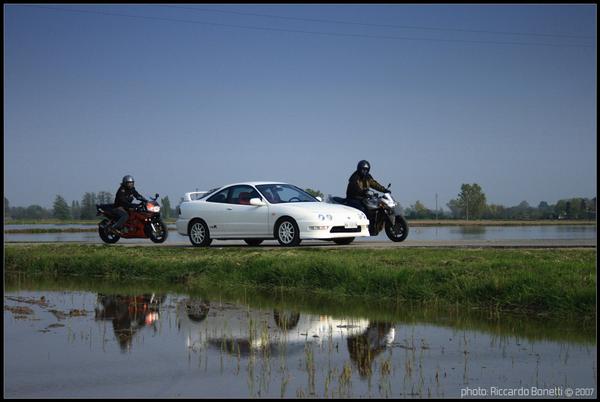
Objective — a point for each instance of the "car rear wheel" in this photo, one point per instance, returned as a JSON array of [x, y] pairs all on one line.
[[199, 234], [287, 233]]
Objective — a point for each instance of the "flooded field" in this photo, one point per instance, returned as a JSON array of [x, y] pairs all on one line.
[[78, 339], [416, 233]]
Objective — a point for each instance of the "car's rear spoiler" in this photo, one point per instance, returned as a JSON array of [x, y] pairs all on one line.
[[193, 195]]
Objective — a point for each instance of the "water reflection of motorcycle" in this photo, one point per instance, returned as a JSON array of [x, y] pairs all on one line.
[[382, 210], [143, 222], [128, 314], [365, 347]]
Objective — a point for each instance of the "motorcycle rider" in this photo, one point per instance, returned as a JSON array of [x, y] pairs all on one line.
[[123, 201], [358, 185]]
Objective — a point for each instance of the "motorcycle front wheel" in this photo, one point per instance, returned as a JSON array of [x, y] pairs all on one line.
[[105, 235], [399, 231], [160, 234]]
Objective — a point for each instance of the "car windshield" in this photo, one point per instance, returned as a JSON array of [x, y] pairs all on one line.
[[284, 193]]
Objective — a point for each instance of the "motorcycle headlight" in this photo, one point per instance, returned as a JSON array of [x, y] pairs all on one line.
[[152, 208]]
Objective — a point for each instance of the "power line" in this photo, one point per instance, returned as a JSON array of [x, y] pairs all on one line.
[[379, 25], [105, 13]]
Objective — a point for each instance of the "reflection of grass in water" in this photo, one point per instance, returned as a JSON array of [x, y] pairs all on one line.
[[385, 386], [345, 382], [310, 367]]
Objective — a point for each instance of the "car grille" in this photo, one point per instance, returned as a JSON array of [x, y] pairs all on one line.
[[341, 229]]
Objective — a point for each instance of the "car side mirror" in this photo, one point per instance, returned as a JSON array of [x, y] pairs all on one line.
[[319, 199], [257, 202], [389, 185]]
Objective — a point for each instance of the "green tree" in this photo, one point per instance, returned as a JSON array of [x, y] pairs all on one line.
[[104, 197], [314, 193], [471, 200], [60, 209], [6, 208], [495, 211], [88, 206], [75, 210], [455, 209], [36, 212], [165, 208], [420, 211]]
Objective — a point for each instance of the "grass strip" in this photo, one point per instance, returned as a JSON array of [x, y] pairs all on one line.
[[543, 281]]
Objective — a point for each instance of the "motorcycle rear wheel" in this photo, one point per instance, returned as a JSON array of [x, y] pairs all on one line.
[[105, 235], [399, 232]]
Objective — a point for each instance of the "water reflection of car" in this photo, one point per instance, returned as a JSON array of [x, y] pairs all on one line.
[[129, 314], [238, 330]]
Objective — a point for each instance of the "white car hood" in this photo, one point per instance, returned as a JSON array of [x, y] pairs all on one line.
[[321, 207]]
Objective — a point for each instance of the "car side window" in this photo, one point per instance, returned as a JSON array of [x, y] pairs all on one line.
[[221, 196], [272, 198], [242, 194]]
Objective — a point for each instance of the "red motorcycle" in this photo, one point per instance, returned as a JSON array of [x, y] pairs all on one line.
[[143, 222]]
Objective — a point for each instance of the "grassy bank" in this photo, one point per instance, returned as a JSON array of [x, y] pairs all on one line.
[[553, 282]]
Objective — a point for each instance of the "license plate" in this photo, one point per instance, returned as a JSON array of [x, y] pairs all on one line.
[[350, 225]]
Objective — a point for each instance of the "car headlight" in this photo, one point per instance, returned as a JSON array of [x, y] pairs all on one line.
[[323, 217], [361, 216]]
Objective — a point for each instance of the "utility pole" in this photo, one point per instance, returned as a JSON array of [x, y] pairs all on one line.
[[436, 207]]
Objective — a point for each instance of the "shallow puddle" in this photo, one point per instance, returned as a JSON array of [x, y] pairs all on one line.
[[166, 343]]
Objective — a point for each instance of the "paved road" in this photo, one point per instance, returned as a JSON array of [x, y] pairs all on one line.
[[545, 243]]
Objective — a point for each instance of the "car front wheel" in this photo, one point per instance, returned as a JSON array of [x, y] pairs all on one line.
[[287, 233]]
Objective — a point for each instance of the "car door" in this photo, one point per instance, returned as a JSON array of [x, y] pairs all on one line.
[[214, 213], [243, 219]]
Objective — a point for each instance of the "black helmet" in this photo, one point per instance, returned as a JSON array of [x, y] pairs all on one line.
[[127, 179], [363, 168]]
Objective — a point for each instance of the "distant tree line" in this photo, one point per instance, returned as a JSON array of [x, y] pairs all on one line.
[[85, 209], [470, 204]]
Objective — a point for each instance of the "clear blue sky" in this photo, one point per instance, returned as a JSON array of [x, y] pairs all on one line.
[[432, 95]]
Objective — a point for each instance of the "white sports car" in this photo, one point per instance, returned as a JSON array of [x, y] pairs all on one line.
[[255, 211]]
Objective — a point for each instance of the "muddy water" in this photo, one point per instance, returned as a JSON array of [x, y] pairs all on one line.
[[66, 339]]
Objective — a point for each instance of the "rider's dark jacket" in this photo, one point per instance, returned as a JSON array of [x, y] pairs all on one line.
[[125, 197], [358, 186]]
